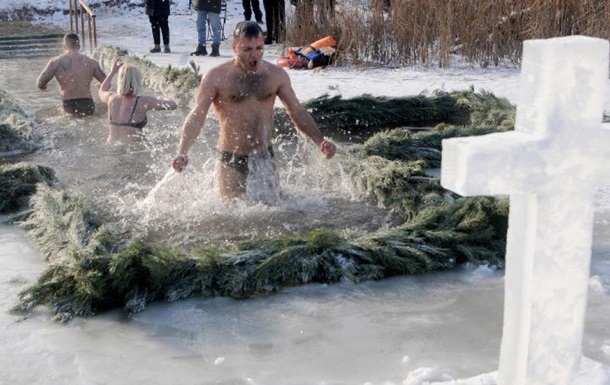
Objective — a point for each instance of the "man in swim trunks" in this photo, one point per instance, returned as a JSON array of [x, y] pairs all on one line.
[[243, 92], [74, 73]]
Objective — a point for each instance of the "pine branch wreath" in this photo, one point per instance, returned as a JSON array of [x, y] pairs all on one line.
[[95, 265]]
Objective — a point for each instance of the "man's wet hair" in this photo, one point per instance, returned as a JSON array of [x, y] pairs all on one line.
[[247, 29], [72, 41]]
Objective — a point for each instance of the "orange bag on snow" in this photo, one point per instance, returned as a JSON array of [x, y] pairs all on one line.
[[292, 62], [300, 57], [324, 42]]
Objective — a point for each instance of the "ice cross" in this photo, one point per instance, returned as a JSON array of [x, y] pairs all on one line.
[[550, 166]]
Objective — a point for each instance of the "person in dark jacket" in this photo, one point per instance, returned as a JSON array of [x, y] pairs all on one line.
[[275, 16], [158, 14], [208, 11]]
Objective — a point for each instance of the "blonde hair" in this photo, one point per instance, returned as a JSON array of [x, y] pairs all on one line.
[[129, 81]]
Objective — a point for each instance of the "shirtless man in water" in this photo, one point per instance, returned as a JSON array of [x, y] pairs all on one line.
[[243, 91], [74, 73]]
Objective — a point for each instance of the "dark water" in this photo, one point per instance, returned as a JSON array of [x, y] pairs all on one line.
[[136, 186]]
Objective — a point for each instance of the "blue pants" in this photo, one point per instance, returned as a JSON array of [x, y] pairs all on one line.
[[203, 17]]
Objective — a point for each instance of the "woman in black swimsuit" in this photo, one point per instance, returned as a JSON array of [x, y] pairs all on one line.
[[126, 107]]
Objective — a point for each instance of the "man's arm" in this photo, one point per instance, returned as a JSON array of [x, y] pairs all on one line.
[[194, 121], [47, 74], [99, 73], [302, 118], [196, 118]]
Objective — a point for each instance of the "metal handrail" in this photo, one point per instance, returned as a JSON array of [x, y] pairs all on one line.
[[80, 8]]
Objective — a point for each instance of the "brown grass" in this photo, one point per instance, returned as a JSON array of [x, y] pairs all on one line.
[[433, 32]]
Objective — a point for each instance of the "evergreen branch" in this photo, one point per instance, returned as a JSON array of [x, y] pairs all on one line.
[[178, 83], [95, 267], [18, 183]]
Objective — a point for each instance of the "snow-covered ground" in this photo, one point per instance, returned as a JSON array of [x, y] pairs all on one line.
[[129, 28]]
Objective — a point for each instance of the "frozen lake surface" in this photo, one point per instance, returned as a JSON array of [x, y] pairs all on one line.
[[373, 333], [369, 333]]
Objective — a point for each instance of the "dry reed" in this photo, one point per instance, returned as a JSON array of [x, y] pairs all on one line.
[[436, 32]]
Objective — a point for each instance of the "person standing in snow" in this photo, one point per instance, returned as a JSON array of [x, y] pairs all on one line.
[[158, 15], [275, 16], [252, 6], [208, 11]]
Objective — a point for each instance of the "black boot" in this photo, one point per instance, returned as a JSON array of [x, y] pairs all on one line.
[[200, 51], [156, 48], [215, 50]]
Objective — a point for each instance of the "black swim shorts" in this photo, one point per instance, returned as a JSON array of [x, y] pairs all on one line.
[[238, 162], [79, 107]]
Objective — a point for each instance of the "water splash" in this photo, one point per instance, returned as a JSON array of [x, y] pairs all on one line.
[[263, 183], [147, 203], [133, 185]]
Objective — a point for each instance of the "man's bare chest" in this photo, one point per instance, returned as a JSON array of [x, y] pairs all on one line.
[[252, 87]]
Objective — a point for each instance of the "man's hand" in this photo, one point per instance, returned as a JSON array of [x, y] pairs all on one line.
[[328, 149], [180, 162]]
